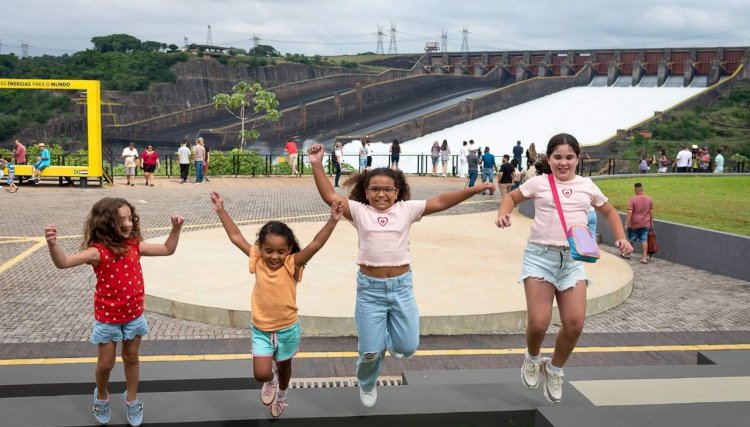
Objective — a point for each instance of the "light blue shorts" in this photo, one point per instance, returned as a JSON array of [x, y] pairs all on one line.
[[281, 345], [116, 332], [553, 265]]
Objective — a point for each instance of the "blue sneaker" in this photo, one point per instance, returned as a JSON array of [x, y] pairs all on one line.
[[101, 409], [135, 411]]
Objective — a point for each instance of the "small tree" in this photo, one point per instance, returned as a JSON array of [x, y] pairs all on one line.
[[244, 95]]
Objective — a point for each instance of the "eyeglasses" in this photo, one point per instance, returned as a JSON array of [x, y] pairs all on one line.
[[385, 190]]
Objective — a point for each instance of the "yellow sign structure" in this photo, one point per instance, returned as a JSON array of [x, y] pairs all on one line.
[[93, 124]]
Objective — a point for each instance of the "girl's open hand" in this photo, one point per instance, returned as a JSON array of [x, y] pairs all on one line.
[[217, 200], [177, 221], [50, 233], [337, 210], [315, 153]]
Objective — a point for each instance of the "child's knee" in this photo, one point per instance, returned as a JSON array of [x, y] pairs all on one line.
[[130, 358], [370, 357], [105, 364]]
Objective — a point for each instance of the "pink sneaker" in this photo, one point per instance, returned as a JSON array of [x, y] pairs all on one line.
[[268, 392]]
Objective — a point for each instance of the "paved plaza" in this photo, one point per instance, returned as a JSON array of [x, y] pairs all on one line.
[[46, 312]]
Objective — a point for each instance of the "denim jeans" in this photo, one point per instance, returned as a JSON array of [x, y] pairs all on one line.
[[488, 174], [386, 315], [199, 171], [472, 177]]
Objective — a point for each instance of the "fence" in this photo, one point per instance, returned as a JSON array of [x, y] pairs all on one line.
[[252, 164]]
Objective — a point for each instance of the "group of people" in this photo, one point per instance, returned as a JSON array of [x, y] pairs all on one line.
[[149, 161], [689, 159], [380, 208], [43, 161]]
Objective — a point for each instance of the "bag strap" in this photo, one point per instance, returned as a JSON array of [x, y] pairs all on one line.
[[557, 203]]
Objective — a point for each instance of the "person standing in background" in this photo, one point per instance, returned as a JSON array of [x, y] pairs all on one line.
[[205, 162], [20, 156], [517, 153], [462, 159], [291, 151], [199, 154], [130, 154], [150, 159], [183, 157], [368, 149], [640, 219], [719, 162], [445, 156]]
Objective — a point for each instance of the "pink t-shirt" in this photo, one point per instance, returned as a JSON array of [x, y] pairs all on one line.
[[641, 206], [576, 196], [384, 235]]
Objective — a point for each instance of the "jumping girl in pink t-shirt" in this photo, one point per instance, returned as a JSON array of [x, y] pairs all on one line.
[[386, 312], [548, 271], [113, 245]]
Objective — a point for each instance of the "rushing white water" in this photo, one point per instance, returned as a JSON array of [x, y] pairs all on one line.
[[591, 114]]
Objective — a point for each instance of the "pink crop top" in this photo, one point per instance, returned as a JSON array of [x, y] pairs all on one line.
[[576, 195], [384, 235]]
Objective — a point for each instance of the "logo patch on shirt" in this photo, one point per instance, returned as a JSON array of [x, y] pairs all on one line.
[[382, 220], [567, 192]]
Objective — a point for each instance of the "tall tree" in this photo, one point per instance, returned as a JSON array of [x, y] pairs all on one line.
[[246, 95], [116, 43]]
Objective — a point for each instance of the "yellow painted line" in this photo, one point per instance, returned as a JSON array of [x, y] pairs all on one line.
[[18, 240], [420, 353], [18, 258]]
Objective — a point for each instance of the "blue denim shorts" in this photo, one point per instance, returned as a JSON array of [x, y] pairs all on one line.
[[638, 234], [281, 345], [116, 332], [553, 265]]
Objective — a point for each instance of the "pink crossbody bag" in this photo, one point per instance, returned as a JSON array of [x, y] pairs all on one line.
[[583, 246]]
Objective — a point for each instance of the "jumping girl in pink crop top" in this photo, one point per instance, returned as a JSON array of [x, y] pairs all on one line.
[[386, 312], [548, 271]]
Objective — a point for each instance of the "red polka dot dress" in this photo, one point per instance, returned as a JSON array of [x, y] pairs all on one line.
[[118, 297]]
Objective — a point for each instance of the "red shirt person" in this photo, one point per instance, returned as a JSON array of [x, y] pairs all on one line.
[[291, 151], [20, 153]]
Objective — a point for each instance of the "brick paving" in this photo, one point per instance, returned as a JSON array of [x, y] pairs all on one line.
[[41, 305]]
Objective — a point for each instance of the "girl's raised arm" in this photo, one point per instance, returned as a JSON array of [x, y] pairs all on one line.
[[320, 239], [449, 199], [327, 193], [615, 225], [229, 226], [169, 245], [86, 256]]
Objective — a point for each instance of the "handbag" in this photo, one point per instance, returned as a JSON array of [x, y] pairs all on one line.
[[653, 247], [582, 244]]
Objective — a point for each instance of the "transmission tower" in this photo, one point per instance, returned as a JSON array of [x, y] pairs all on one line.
[[444, 43], [392, 46], [379, 49], [186, 41], [465, 39], [256, 40], [24, 49], [209, 42]]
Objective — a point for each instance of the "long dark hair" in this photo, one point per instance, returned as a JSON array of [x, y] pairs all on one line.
[[102, 226], [557, 140], [359, 183], [280, 229]]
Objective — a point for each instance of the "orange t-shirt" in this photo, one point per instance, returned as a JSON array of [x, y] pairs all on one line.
[[274, 298]]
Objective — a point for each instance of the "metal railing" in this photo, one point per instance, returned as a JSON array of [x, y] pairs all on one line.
[[252, 164]]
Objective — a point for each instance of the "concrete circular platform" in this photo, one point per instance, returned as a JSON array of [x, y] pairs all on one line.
[[466, 274]]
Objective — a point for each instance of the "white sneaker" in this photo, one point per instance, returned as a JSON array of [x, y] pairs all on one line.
[[395, 355], [552, 382], [368, 398], [530, 373]]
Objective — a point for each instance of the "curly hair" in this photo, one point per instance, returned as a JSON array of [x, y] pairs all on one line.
[[102, 226], [280, 229], [359, 183]]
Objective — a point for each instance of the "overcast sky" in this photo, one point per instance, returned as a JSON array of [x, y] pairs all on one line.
[[350, 26]]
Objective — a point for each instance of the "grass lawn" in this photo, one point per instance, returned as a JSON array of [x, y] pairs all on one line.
[[715, 202]]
